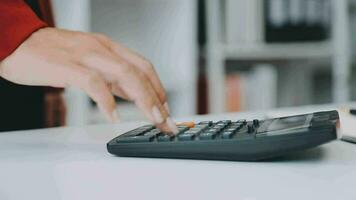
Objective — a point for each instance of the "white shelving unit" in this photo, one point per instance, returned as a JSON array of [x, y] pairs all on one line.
[[279, 51], [218, 50]]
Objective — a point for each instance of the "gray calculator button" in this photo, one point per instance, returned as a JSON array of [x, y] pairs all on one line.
[[227, 134], [133, 139], [201, 126], [186, 136], [153, 132], [226, 122], [193, 131], [230, 129], [209, 123], [182, 128], [207, 136], [165, 138]]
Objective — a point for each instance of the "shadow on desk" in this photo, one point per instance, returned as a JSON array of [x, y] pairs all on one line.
[[311, 155]]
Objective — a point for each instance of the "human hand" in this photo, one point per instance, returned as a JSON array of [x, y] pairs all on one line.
[[93, 63]]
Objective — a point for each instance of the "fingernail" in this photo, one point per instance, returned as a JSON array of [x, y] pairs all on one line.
[[172, 125], [166, 107], [157, 116], [115, 116]]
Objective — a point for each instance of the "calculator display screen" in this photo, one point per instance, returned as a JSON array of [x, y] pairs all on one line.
[[287, 123]]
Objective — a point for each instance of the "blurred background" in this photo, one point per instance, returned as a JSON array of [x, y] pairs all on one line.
[[218, 56]]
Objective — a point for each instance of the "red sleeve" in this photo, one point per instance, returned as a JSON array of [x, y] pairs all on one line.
[[17, 22]]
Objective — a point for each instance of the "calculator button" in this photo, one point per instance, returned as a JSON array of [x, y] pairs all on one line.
[[256, 122], [188, 124], [213, 130], [207, 135], [181, 128], [201, 126], [217, 130], [230, 129], [165, 138], [186, 136], [243, 134], [241, 121], [153, 132], [236, 125], [149, 134], [227, 134], [219, 126], [209, 123], [226, 122], [250, 128], [133, 139], [193, 131]]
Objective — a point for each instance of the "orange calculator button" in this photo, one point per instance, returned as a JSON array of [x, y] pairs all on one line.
[[188, 124]]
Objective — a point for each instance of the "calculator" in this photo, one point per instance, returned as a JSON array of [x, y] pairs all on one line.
[[237, 140]]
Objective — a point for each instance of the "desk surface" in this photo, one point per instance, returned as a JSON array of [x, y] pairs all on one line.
[[72, 163]]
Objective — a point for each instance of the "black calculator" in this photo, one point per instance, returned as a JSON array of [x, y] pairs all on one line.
[[239, 140]]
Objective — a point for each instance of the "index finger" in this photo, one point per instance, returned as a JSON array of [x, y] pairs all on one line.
[[136, 86], [139, 62]]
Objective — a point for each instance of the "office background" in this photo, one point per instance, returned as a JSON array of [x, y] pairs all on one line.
[[226, 55]]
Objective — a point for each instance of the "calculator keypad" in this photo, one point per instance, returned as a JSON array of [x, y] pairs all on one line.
[[205, 130]]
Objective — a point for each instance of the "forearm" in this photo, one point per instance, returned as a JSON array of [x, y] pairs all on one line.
[[17, 23]]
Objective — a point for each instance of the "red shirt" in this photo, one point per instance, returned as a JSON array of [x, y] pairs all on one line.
[[17, 22]]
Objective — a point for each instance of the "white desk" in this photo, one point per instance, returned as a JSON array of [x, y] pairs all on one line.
[[72, 163]]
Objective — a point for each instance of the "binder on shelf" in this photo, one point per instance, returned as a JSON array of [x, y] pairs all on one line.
[[254, 22], [296, 20], [234, 92], [242, 88]]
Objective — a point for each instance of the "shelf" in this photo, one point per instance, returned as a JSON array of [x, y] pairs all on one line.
[[279, 51]]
